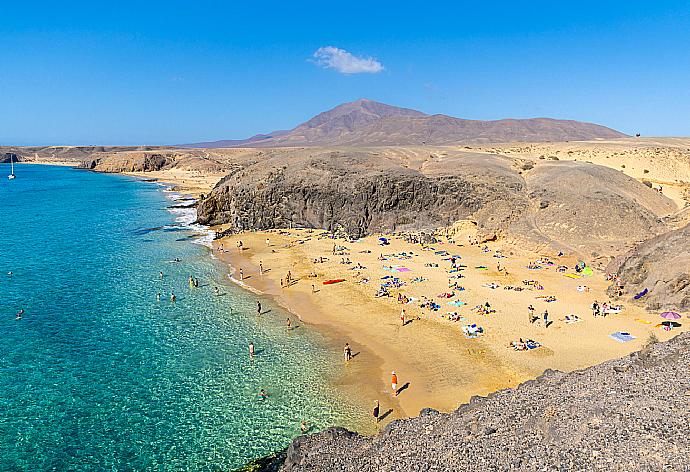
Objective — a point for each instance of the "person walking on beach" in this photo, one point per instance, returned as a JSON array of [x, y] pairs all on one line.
[[258, 308], [377, 411], [251, 350], [347, 351], [261, 268], [530, 311], [402, 316], [239, 246], [268, 242], [546, 318], [241, 275], [394, 383]]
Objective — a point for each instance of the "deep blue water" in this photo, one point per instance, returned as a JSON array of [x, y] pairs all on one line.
[[98, 375]]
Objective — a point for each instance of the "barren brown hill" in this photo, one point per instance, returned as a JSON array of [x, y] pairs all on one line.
[[369, 123], [580, 207]]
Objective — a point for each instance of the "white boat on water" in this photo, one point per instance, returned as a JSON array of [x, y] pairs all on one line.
[[12, 176]]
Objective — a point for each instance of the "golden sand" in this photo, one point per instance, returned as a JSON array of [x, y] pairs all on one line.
[[441, 367]]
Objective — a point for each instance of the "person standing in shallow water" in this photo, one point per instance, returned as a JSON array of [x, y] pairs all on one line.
[[251, 350], [289, 324], [258, 308]]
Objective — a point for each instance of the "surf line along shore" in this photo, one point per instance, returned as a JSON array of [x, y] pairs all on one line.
[[437, 364], [435, 367]]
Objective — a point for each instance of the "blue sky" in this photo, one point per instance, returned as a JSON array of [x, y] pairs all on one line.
[[174, 72]]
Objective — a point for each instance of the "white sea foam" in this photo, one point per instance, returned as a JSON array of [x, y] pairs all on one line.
[[186, 218]]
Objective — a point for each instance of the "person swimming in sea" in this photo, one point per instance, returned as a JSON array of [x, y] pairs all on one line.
[[19, 314], [263, 395], [216, 291], [158, 297]]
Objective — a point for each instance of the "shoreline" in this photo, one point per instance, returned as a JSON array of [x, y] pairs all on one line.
[[346, 381], [442, 368]]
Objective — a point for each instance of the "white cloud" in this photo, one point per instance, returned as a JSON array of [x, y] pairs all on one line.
[[330, 57]]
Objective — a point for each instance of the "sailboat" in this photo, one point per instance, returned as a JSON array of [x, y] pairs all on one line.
[[12, 176]]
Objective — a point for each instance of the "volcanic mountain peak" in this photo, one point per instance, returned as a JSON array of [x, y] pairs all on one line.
[[369, 123]]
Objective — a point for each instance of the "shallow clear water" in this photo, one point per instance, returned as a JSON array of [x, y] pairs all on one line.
[[99, 375]]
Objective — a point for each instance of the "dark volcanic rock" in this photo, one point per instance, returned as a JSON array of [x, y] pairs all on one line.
[[628, 414], [662, 266], [591, 210], [353, 192]]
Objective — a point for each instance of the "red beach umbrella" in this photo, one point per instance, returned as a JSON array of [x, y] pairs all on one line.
[[670, 315]]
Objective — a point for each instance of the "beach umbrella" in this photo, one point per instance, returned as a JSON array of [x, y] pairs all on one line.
[[671, 324], [670, 315]]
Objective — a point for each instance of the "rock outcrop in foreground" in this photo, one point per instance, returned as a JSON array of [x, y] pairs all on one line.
[[628, 414]]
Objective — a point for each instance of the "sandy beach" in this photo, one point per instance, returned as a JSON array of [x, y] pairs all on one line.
[[437, 364], [189, 182]]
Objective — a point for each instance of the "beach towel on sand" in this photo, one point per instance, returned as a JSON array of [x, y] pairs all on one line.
[[641, 294], [622, 337], [456, 303]]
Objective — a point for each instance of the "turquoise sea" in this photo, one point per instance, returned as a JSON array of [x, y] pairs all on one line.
[[99, 375]]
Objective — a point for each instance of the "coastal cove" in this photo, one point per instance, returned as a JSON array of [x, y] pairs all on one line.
[[98, 374]]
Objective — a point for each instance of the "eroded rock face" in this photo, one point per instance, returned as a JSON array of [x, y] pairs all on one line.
[[661, 265], [575, 206], [357, 194], [625, 414]]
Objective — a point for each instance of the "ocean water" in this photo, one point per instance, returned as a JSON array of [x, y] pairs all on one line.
[[99, 375]]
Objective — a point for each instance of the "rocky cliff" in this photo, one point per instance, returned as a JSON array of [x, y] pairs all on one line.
[[660, 265], [577, 206], [628, 414], [351, 191]]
